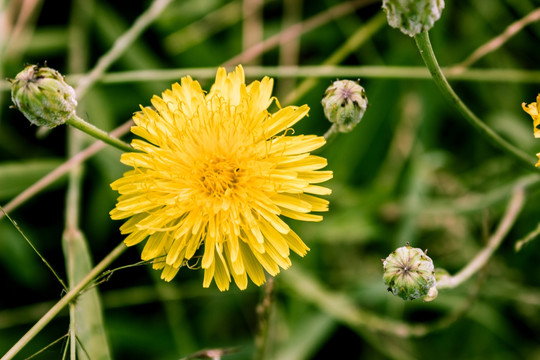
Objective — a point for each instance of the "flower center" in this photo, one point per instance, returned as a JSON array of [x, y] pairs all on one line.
[[219, 177]]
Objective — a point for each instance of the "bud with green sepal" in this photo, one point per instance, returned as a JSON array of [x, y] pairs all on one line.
[[45, 99], [344, 104], [43, 96], [412, 16], [409, 274]]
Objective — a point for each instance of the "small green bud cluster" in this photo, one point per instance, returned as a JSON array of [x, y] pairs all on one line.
[[412, 16], [43, 96], [409, 274], [344, 104]]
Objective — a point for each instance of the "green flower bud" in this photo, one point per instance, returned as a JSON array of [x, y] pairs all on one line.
[[409, 274], [43, 96], [412, 16], [344, 104]]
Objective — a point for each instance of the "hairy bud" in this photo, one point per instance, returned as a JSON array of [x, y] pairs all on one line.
[[344, 104], [43, 96], [412, 16], [409, 274]]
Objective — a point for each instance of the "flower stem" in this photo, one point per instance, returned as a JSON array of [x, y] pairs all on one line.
[[426, 51], [331, 133], [99, 134], [264, 312], [63, 302]]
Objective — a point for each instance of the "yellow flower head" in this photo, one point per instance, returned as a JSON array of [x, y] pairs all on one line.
[[214, 176], [533, 109]]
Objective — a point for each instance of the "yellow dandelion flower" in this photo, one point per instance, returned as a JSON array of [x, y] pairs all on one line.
[[533, 109], [215, 175]]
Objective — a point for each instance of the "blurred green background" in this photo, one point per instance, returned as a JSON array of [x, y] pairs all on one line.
[[412, 171]]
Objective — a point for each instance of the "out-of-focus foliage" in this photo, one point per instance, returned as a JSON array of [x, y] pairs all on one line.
[[412, 171]]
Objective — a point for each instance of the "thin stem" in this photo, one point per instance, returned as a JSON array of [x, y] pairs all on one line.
[[99, 134], [509, 218], [49, 346], [323, 71], [72, 332], [63, 302], [4, 212], [362, 35], [342, 308], [252, 26], [497, 41], [264, 312], [527, 239], [331, 133], [493, 75], [426, 51], [198, 31], [297, 30], [61, 170]]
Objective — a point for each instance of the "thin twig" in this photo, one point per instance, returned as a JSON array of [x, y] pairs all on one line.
[[63, 302], [252, 27], [496, 42], [200, 30], [48, 346], [121, 44], [61, 170], [514, 208], [264, 312], [4, 212], [360, 36], [527, 239], [21, 32], [297, 30], [503, 75]]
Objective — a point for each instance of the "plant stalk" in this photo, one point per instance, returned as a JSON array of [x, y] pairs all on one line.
[[97, 133], [63, 302], [426, 51]]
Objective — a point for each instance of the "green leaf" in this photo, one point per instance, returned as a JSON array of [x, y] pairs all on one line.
[[88, 317]]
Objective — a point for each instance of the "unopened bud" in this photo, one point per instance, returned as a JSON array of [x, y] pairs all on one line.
[[43, 96], [344, 104], [412, 16], [409, 274]]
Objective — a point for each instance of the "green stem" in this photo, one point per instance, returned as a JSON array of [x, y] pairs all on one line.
[[331, 133], [426, 51], [63, 302], [99, 134], [5, 213], [494, 75], [264, 312]]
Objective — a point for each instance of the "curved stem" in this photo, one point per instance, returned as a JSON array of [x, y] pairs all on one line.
[[63, 302], [99, 134], [426, 51], [331, 133], [509, 218]]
